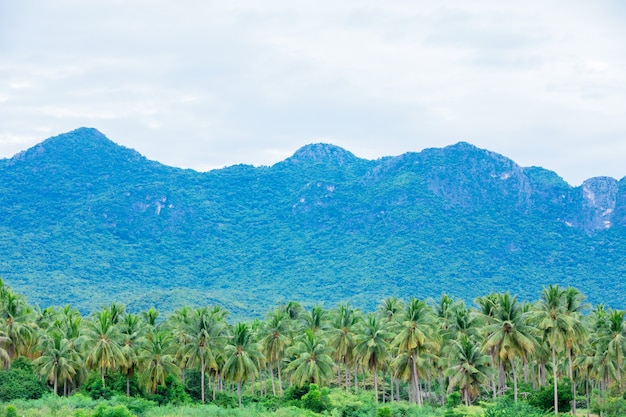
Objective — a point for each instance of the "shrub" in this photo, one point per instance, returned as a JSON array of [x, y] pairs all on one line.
[[316, 400], [20, 383]]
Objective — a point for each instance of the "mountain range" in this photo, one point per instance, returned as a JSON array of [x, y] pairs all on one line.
[[85, 221]]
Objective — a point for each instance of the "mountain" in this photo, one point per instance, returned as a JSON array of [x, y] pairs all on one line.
[[86, 221]]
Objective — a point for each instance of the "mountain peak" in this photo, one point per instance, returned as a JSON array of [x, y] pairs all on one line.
[[81, 146], [322, 153]]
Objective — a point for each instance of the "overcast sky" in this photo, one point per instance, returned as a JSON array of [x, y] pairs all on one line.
[[204, 84]]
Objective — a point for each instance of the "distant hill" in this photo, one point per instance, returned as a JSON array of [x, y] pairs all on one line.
[[85, 221]]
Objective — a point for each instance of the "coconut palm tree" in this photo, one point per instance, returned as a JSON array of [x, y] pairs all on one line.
[[16, 323], [371, 347], [131, 331], [243, 357], [413, 333], [157, 356], [312, 362], [102, 340], [557, 326], [275, 342], [469, 367], [508, 334], [58, 362], [342, 339], [204, 331]]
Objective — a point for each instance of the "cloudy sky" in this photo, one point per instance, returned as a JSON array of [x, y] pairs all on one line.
[[204, 84]]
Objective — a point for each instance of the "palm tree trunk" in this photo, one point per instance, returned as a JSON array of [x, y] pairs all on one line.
[[376, 384], [441, 388], [514, 380], [102, 375], [272, 374], [239, 392], [571, 378], [587, 393], [202, 375], [128, 384], [55, 384], [280, 381], [556, 393]]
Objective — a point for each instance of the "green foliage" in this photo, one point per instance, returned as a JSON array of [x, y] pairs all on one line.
[[543, 398], [21, 383], [453, 400], [103, 410], [316, 400], [171, 393], [507, 408], [609, 406], [11, 411]]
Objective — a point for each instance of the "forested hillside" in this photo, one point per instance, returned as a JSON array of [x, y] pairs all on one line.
[[85, 221]]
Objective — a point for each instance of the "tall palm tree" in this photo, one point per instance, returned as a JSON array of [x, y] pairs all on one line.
[[243, 357], [131, 331], [371, 347], [204, 332], [312, 362], [102, 342], [575, 339], [58, 362], [509, 334], [414, 332], [469, 367], [612, 339], [16, 322], [157, 356], [275, 342], [316, 319], [342, 339], [552, 319]]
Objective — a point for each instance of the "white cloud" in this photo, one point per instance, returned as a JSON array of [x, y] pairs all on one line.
[[204, 84]]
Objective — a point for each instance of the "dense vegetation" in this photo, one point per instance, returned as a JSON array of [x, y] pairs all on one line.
[[409, 357], [97, 222]]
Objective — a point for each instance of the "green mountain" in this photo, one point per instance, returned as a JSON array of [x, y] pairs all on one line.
[[85, 221]]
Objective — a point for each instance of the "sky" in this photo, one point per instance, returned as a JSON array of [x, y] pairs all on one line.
[[205, 84]]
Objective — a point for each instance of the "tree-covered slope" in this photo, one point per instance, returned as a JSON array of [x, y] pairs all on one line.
[[85, 221]]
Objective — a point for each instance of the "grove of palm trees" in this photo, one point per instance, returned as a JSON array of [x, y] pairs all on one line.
[[412, 357]]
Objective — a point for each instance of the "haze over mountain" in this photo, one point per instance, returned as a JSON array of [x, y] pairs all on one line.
[[85, 221]]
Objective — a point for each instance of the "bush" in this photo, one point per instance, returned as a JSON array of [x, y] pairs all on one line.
[[20, 383], [609, 406], [543, 398], [316, 400], [103, 410], [11, 411], [507, 408]]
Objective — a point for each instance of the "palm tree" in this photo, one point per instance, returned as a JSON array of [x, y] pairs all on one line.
[[203, 332], [414, 333], [157, 356], [131, 331], [243, 357], [469, 367], [275, 342], [316, 319], [509, 335], [102, 340], [552, 318], [612, 339], [371, 347], [58, 362], [574, 306], [312, 362], [342, 339], [16, 322]]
